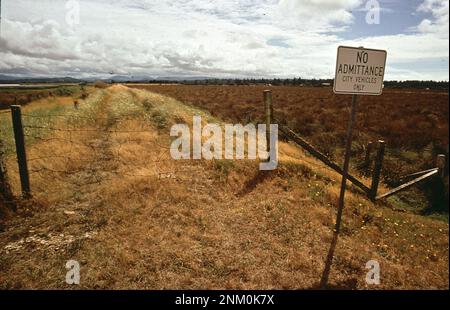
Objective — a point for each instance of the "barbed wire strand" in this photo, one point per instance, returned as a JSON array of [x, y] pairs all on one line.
[[93, 118], [70, 140], [98, 153], [86, 130]]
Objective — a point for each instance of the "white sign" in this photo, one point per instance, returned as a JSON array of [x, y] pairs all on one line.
[[359, 71]]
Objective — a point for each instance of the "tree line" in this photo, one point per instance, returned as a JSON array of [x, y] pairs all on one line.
[[431, 85]]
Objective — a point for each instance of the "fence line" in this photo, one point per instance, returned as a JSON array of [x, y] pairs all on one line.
[[119, 172], [408, 185], [49, 140], [113, 157], [86, 130], [313, 151], [417, 174], [120, 117], [371, 192], [19, 136]]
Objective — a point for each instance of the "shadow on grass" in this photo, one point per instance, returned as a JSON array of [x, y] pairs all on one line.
[[437, 194], [252, 183]]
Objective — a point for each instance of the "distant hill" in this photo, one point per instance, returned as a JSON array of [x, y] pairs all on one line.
[[203, 80], [142, 78], [5, 79]]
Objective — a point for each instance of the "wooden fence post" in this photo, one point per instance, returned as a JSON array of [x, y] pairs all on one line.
[[377, 169], [269, 114], [20, 150], [441, 163]]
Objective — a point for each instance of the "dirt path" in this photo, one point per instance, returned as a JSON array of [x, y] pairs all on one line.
[[59, 232], [61, 228]]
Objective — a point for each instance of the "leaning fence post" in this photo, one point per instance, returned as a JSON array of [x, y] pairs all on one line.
[[441, 163], [20, 150], [269, 114], [377, 169]]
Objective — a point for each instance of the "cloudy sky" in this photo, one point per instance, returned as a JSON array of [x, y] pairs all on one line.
[[219, 38]]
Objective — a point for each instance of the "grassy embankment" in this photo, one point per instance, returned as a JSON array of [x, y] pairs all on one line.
[[134, 218]]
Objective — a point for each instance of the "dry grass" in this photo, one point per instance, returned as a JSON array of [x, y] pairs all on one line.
[[23, 96], [136, 219], [409, 119], [414, 124]]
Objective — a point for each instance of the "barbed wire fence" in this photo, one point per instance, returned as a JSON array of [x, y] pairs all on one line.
[[114, 163], [379, 148], [105, 152]]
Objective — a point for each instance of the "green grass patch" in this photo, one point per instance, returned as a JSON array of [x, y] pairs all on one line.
[[39, 122], [223, 168]]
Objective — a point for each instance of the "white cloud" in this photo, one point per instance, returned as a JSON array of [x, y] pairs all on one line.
[[320, 11], [39, 40], [204, 37], [439, 10]]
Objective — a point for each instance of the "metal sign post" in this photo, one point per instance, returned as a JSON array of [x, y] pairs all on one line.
[[359, 71], [348, 151], [337, 228]]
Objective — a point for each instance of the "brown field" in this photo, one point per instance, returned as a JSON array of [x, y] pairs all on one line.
[[22, 96], [408, 119], [414, 123], [108, 195]]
